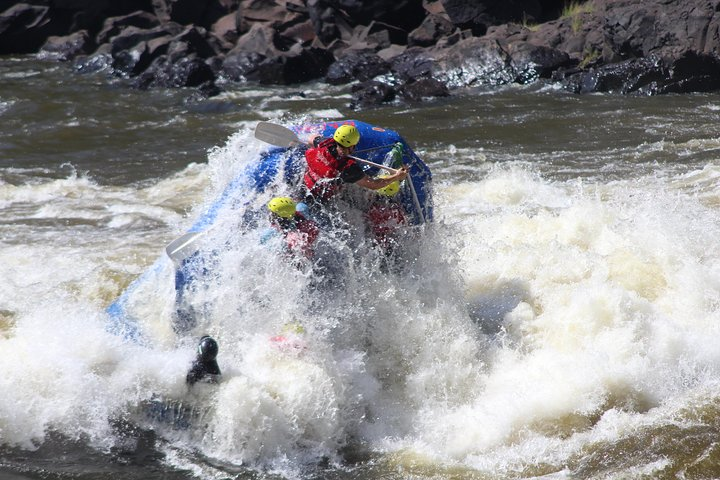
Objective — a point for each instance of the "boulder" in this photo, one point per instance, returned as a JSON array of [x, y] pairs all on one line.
[[371, 93], [531, 62], [474, 62], [98, 61], [413, 64], [324, 18], [259, 39], [237, 65], [287, 69], [227, 28], [652, 75], [67, 47], [114, 25], [25, 28], [132, 61], [422, 89], [636, 29], [184, 12], [132, 36], [430, 31], [356, 65], [198, 42], [188, 71]]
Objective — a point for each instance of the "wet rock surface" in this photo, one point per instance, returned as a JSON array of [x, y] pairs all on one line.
[[389, 51]]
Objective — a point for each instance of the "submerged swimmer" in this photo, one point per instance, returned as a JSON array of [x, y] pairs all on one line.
[[205, 367]]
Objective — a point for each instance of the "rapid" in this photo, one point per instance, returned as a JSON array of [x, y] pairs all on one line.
[[560, 318]]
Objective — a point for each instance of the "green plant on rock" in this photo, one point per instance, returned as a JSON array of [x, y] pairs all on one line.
[[529, 24], [589, 56], [574, 11]]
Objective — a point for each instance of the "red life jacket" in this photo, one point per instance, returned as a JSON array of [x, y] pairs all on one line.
[[322, 177], [384, 220], [299, 234], [302, 238]]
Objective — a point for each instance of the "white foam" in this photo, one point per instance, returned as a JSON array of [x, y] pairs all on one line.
[[540, 317]]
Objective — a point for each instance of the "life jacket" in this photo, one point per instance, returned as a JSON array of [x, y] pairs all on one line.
[[322, 178], [300, 234], [384, 220]]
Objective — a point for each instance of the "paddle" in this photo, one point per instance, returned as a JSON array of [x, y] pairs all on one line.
[[276, 134], [280, 136], [183, 246]]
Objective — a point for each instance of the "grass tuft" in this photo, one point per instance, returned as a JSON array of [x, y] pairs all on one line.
[[574, 11]]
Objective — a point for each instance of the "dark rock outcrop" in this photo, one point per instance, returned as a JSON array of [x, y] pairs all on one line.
[[68, 47], [395, 51], [356, 65]]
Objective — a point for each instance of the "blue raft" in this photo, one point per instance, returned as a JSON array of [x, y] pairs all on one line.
[[263, 174]]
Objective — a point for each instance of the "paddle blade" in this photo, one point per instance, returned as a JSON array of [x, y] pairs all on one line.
[[276, 134], [183, 246]]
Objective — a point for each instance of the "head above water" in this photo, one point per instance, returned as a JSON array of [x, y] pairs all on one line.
[[283, 207], [347, 136], [207, 349]]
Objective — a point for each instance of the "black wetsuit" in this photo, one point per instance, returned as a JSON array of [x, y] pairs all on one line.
[[207, 371]]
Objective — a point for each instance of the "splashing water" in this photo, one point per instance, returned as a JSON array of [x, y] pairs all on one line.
[[559, 318]]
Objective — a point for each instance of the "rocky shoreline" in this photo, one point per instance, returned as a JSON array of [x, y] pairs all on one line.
[[405, 49]]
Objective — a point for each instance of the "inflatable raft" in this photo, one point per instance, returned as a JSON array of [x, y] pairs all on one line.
[[275, 165]]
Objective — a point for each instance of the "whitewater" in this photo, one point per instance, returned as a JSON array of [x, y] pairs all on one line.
[[558, 319]]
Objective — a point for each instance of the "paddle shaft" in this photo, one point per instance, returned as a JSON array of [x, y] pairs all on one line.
[[378, 165]]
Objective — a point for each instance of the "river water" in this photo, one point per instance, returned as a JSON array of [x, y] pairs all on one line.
[[561, 318]]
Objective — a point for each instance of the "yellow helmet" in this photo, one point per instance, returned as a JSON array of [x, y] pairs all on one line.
[[347, 135], [293, 327], [282, 206], [389, 190]]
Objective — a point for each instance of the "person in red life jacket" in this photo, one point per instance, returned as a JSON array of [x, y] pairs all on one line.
[[329, 166], [385, 216], [298, 231], [291, 338]]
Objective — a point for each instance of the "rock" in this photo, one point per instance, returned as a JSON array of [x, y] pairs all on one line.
[[114, 25], [308, 64], [691, 72], [133, 61], [531, 62], [375, 36], [323, 17], [635, 29], [226, 28], [474, 62], [25, 28], [356, 65], [478, 15], [198, 42], [132, 36], [413, 64], [298, 32], [424, 88], [190, 72], [186, 72], [391, 52], [238, 65], [183, 12], [371, 93], [259, 39], [67, 47], [100, 60], [430, 31]]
